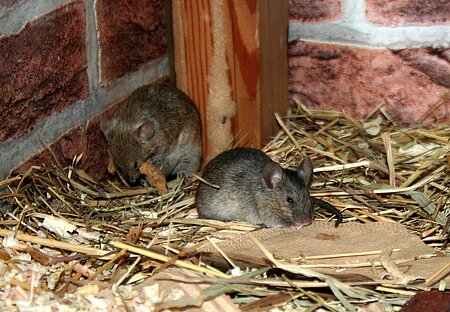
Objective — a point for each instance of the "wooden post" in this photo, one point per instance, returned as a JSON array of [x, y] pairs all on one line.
[[231, 58]]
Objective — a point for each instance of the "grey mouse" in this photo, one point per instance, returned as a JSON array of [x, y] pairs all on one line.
[[157, 123], [253, 188]]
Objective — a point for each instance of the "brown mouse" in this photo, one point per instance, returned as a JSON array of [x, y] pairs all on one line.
[[159, 124]]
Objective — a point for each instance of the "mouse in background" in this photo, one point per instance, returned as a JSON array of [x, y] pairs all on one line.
[[158, 124]]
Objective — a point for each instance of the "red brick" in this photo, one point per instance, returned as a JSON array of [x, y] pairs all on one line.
[[95, 156], [432, 63], [314, 11], [408, 12], [429, 301], [132, 33], [446, 54], [357, 80], [42, 69], [89, 142]]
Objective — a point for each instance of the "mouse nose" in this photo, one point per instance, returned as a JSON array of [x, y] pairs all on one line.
[[131, 178], [306, 221], [306, 218]]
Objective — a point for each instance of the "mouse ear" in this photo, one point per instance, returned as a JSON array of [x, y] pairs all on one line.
[[305, 171], [145, 131], [273, 175]]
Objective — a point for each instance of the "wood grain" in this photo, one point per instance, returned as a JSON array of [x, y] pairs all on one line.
[[231, 59]]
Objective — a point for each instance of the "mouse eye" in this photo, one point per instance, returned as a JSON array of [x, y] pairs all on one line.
[[289, 200], [135, 165]]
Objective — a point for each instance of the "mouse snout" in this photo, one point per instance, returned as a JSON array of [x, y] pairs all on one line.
[[132, 178], [134, 182], [303, 220], [306, 219]]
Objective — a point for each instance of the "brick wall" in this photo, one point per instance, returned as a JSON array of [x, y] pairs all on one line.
[[360, 55], [64, 62]]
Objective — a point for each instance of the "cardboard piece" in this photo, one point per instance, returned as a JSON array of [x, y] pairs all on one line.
[[176, 287], [322, 238]]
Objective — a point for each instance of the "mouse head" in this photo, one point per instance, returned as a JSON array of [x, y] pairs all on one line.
[[289, 203], [128, 146]]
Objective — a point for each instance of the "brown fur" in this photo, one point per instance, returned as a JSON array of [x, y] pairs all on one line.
[[156, 123]]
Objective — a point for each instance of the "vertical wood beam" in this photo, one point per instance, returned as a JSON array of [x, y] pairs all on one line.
[[231, 59], [273, 51]]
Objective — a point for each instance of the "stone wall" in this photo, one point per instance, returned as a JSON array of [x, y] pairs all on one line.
[[61, 64], [358, 56]]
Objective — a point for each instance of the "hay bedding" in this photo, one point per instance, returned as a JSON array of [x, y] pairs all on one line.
[[75, 244]]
